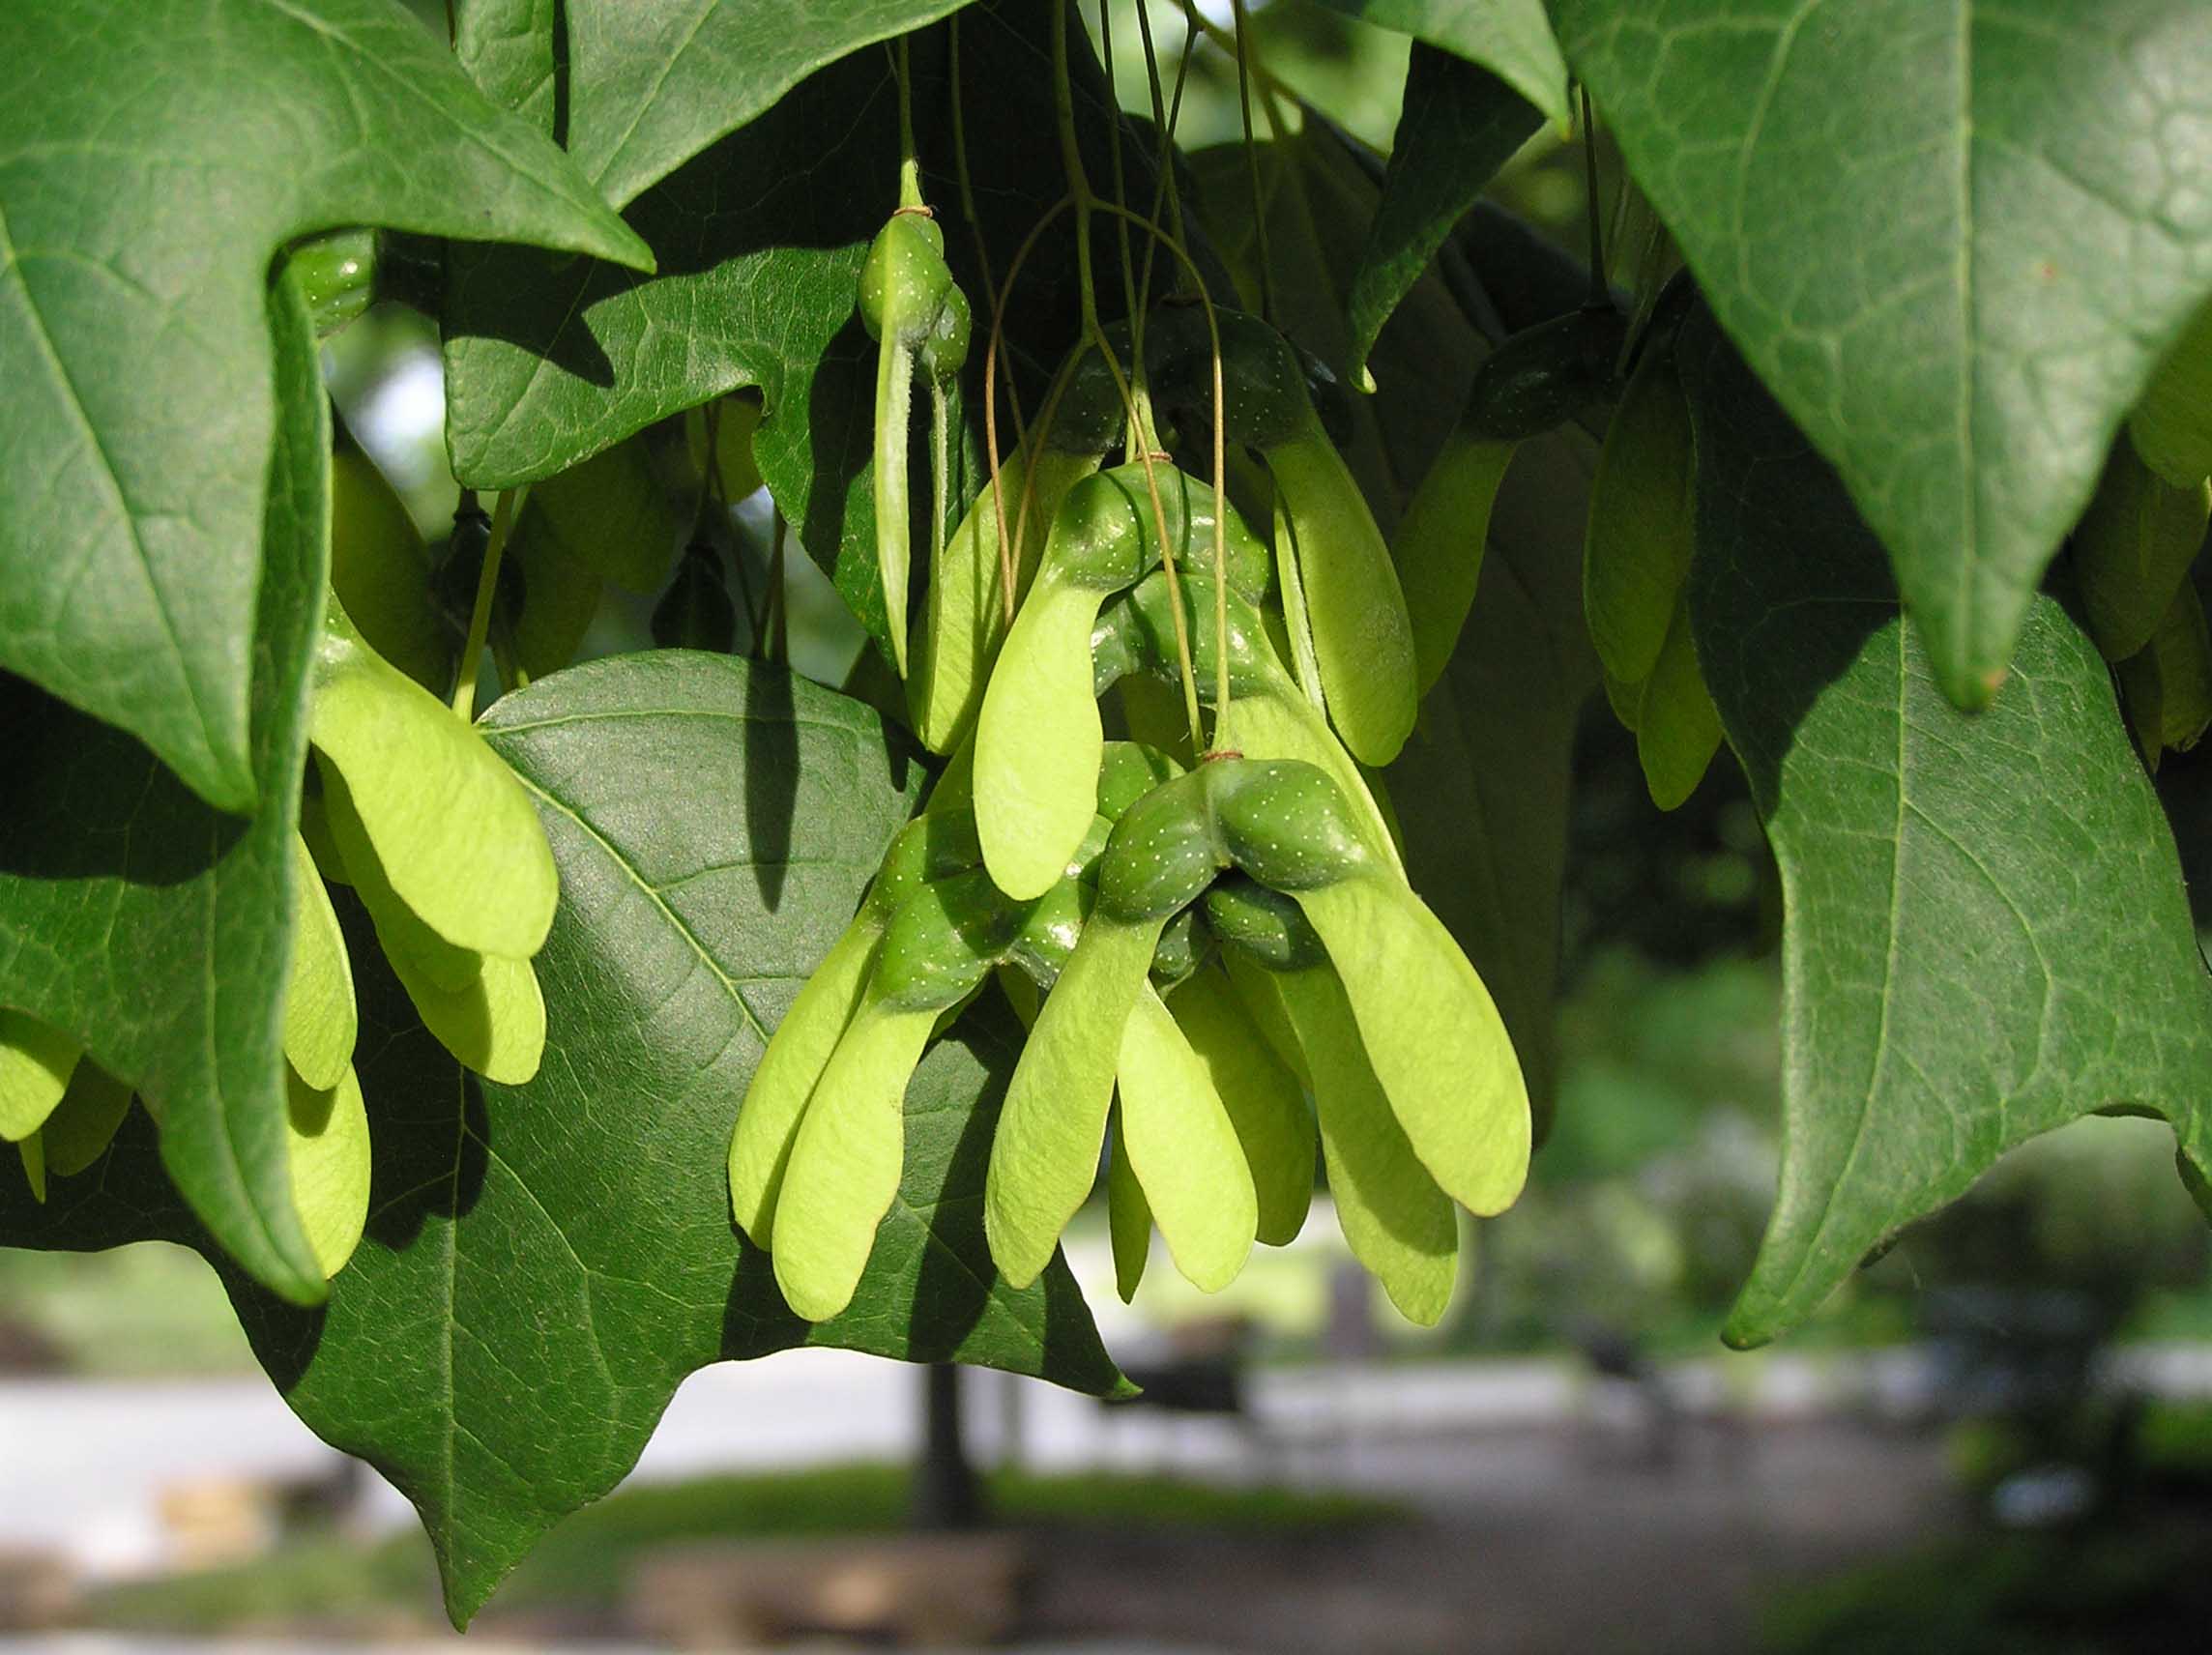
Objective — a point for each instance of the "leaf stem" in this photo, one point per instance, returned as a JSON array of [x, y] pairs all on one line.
[[1252, 162], [910, 159], [487, 589]]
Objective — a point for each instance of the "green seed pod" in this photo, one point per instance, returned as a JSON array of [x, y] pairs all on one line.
[[85, 1121], [1128, 1217], [1363, 637], [453, 828], [944, 347], [1286, 823], [613, 514], [327, 1135], [1398, 1223], [2131, 548], [1269, 717], [941, 943], [381, 571], [1045, 1152], [1544, 376], [1186, 943], [1266, 925], [1185, 1153], [1262, 376], [1439, 544], [2171, 426], [338, 276], [320, 1021], [964, 616], [1643, 527], [1678, 726], [695, 612], [1265, 1105], [1089, 418], [1164, 852], [1129, 771], [1432, 1034], [1048, 936], [36, 1063], [904, 280]]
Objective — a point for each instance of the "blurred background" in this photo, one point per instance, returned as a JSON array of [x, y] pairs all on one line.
[[1997, 1437]]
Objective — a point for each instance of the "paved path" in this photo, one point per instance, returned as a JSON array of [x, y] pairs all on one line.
[[83, 1465]]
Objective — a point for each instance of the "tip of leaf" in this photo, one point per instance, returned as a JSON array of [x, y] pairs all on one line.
[[1363, 377], [1125, 1389], [624, 247]]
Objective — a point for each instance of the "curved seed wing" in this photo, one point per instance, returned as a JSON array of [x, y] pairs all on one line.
[[1039, 740], [76, 1134], [895, 406], [401, 933], [1185, 1152], [459, 840], [964, 616], [34, 1158], [36, 1063], [1678, 726], [320, 1019], [483, 1008], [1395, 1218], [1045, 1151], [1128, 1218], [381, 572], [844, 1168], [1363, 637], [1266, 1104], [1432, 1035], [327, 1133], [1642, 528], [1439, 545], [2171, 426], [798, 1052]]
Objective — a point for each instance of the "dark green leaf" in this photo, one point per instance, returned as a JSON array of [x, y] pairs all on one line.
[[1986, 934], [657, 84], [509, 48], [1511, 38], [157, 930], [154, 155], [1460, 125], [1952, 237], [544, 1264], [761, 241]]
